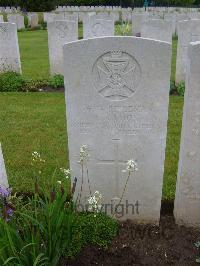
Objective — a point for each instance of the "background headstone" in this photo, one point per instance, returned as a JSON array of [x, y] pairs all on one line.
[[59, 33], [9, 48], [3, 175], [17, 19], [137, 21], [187, 202], [157, 29], [188, 31], [33, 19], [98, 26], [110, 86]]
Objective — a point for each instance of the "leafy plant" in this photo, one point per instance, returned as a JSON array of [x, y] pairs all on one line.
[[181, 88], [42, 228], [26, 21], [124, 29], [11, 81], [98, 230], [40, 233], [198, 246], [56, 81], [172, 87], [34, 85], [43, 25]]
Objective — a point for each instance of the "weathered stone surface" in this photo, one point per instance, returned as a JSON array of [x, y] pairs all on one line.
[[157, 29], [3, 175], [111, 84], [188, 31], [17, 19], [172, 18], [187, 202], [1, 18], [33, 19], [9, 48], [59, 33], [98, 26], [137, 21]]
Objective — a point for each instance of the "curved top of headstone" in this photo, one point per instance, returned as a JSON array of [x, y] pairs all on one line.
[[118, 38]]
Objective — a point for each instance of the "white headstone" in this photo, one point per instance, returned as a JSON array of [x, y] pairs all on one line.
[[9, 48], [115, 15], [172, 18], [137, 21], [17, 19], [59, 33], [187, 202], [3, 175], [33, 19], [188, 31], [111, 85], [157, 29], [98, 26]]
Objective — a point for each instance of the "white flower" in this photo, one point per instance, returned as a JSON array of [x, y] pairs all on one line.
[[131, 166], [59, 182], [95, 202], [66, 172], [36, 157], [84, 154]]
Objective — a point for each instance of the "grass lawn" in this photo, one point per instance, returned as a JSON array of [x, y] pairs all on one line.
[[36, 122], [34, 54], [32, 122]]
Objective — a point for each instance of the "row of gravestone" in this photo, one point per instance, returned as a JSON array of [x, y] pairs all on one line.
[[116, 91], [125, 16], [9, 9], [18, 19], [119, 8], [61, 32]]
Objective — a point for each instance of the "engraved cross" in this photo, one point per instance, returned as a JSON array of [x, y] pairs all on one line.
[[116, 162]]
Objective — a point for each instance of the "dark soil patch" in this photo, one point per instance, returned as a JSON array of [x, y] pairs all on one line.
[[51, 89], [167, 244]]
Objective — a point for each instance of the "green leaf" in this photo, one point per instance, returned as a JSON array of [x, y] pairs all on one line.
[[9, 259], [40, 258], [30, 244]]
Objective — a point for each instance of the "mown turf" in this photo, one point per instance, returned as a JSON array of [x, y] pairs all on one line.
[[32, 122], [173, 143], [34, 54], [36, 122]]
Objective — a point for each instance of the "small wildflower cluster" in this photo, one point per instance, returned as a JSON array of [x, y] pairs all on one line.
[[6, 207], [66, 172], [36, 157], [84, 154], [131, 166], [95, 202], [37, 162]]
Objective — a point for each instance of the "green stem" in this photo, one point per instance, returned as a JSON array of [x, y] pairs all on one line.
[[125, 186]]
